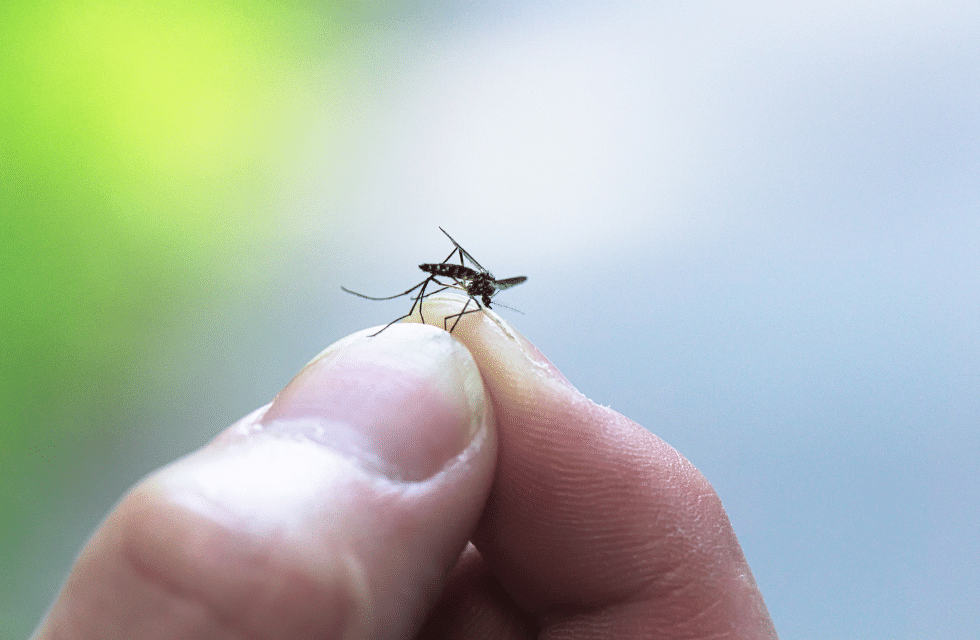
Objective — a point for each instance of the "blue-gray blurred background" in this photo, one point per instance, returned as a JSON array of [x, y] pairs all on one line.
[[752, 227]]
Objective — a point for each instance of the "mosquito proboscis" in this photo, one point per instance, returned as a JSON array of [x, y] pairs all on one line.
[[478, 284]]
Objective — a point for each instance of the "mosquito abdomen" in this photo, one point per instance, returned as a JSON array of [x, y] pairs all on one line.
[[455, 271]]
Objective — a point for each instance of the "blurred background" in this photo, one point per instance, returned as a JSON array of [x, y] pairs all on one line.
[[752, 227]]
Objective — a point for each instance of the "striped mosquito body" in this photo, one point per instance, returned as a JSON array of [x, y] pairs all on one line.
[[479, 284]]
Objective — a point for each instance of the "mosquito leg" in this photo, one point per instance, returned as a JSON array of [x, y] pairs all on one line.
[[425, 283], [422, 295], [450, 257], [445, 321], [457, 249], [399, 295], [463, 313], [418, 300], [459, 316], [389, 324], [463, 252]]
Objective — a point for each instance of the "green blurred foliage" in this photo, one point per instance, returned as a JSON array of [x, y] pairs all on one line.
[[140, 148]]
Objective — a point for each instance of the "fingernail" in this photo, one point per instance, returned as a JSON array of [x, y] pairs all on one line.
[[403, 403]]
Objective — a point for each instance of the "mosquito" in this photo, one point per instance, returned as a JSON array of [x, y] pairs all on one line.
[[479, 284]]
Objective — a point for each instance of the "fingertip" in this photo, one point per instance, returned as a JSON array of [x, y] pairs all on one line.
[[340, 506], [591, 511], [514, 366], [404, 402]]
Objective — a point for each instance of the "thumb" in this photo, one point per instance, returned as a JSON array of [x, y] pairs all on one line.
[[335, 512]]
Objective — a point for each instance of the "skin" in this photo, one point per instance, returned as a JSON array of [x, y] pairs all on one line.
[[418, 484]]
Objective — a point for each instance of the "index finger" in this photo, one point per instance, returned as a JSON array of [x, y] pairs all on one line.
[[595, 526]]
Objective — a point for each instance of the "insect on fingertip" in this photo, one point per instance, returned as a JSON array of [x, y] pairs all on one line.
[[477, 283]]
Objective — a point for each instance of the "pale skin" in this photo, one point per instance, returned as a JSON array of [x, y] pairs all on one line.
[[419, 485]]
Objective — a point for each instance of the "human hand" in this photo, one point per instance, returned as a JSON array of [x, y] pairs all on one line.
[[340, 511]]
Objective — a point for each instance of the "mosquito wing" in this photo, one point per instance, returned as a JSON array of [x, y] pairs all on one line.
[[507, 283], [463, 251]]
